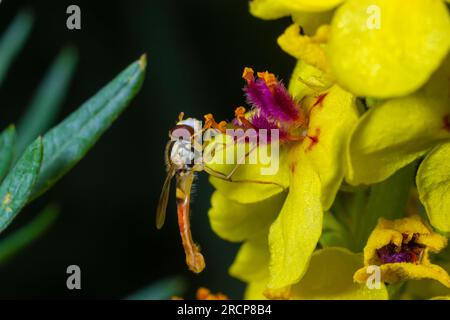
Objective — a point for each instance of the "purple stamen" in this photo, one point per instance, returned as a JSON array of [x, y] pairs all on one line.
[[277, 105], [261, 122], [409, 252], [284, 100]]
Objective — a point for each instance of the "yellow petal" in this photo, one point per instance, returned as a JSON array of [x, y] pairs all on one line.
[[252, 261], [294, 235], [331, 122], [237, 222], [398, 131], [330, 276], [250, 182], [395, 272], [425, 289], [274, 9], [258, 177], [433, 184], [311, 21], [254, 290], [306, 48], [324, 283], [307, 80], [382, 48]]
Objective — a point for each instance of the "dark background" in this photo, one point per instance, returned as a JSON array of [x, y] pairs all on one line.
[[196, 51]]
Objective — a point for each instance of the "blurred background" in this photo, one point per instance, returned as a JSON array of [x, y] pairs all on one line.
[[196, 52]]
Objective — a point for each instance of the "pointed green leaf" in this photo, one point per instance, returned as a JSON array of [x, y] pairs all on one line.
[[18, 184], [69, 141], [15, 242], [13, 40], [7, 141], [47, 100]]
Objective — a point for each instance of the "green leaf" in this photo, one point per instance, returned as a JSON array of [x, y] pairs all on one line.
[[13, 40], [68, 142], [21, 238], [7, 141], [18, 184], [47, 100], [163, 289]]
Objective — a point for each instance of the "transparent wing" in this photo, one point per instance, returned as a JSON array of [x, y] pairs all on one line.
[[163, 199]]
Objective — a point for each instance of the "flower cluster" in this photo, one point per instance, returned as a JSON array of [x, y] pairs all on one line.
[[365, 134]]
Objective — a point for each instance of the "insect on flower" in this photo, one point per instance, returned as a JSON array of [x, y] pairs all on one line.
[[183, 157], [273, 109]]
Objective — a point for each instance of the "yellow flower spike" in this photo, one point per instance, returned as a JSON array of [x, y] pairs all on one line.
[[333, 115], [433, 183], [311, 170], [382, 48], [398, 131], [236, 222], [400, 248], [274, 9], [306, 48], [295, 233]]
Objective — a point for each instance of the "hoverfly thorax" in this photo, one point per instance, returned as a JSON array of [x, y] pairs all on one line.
[[184, 151]]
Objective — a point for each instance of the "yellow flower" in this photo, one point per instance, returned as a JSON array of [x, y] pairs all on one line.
[[376, 48], [398, 131], [401, 249], [285, 210]]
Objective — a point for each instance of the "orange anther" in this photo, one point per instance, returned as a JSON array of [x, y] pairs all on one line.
[[181, 116], [240, 116], [222, 126], [248, 74], [239, 112], [205, 294], [211, 123], [269, 78]]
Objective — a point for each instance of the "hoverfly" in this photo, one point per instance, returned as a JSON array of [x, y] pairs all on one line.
[[179, 157], [183, 156]]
